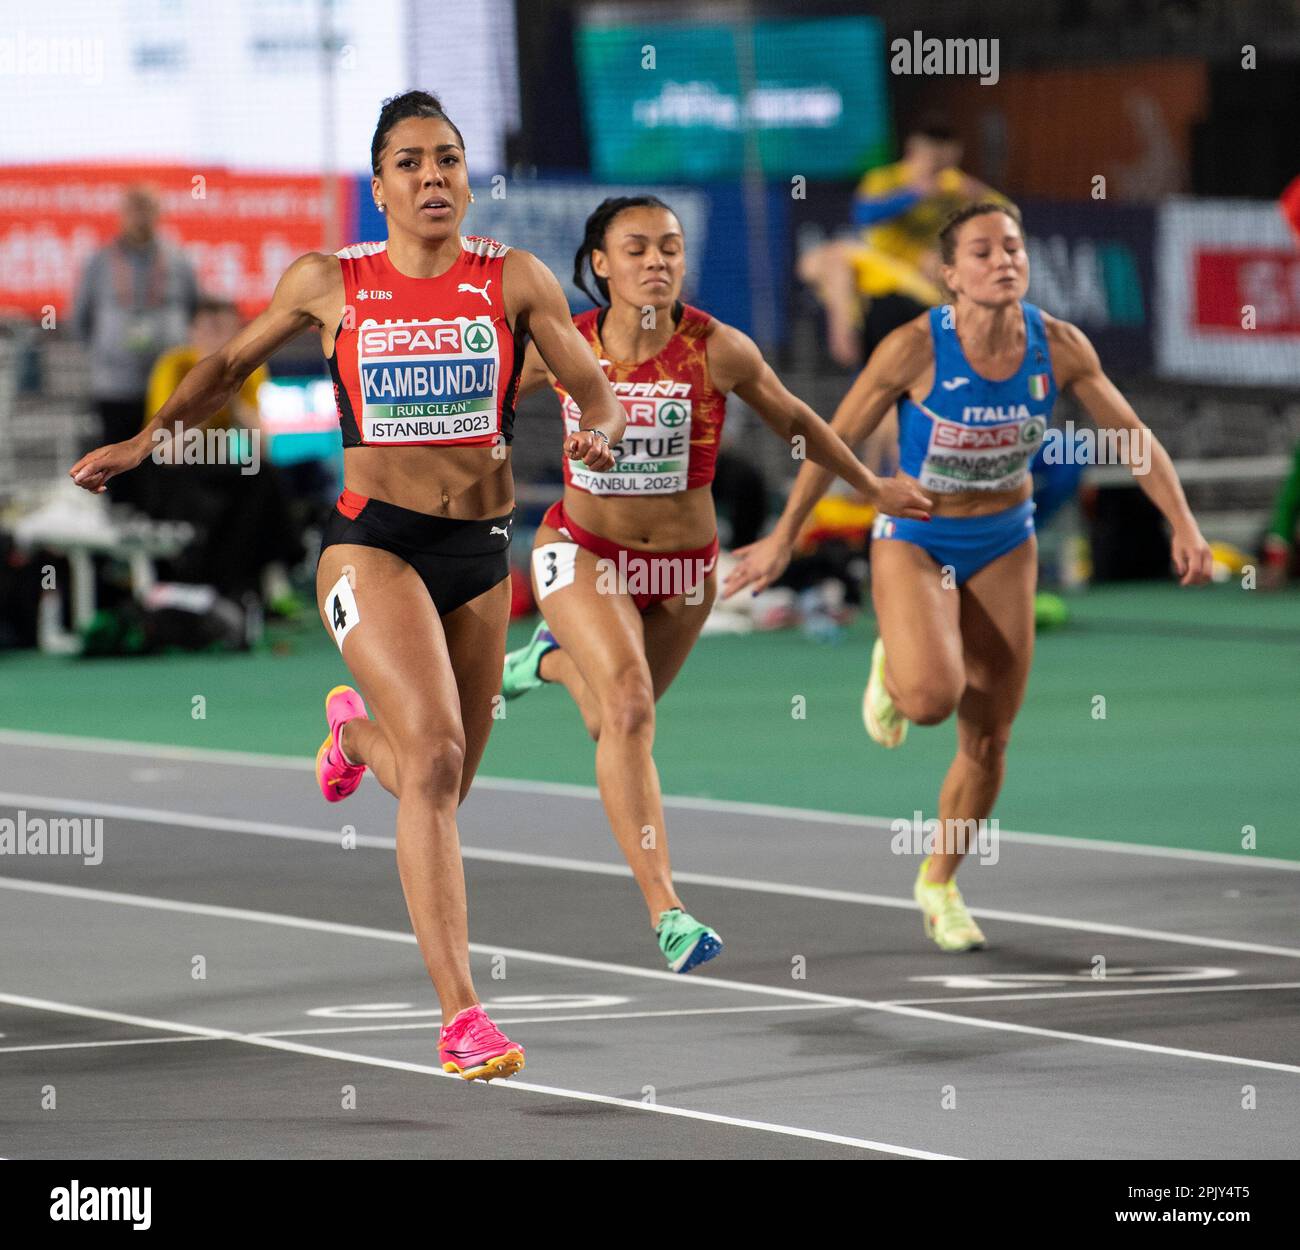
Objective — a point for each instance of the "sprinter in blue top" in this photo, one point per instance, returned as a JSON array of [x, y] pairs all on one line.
[[954, 596]]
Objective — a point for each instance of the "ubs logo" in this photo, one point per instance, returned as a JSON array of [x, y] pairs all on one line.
[[362, 293]]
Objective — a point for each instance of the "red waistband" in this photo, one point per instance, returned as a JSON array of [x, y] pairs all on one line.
[[350, 503], [557, 518]]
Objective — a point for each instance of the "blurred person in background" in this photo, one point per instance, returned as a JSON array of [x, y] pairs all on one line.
[[247, 538], [891, 273], [134, 300], [1280, 546]]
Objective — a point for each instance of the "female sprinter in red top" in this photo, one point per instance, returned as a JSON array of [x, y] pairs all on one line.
[[424, 335], [624, 565], [974, 382]]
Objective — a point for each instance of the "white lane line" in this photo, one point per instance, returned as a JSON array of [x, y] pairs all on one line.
[[400, 1065], [129, 1041], [627, 970], [954, 1000], [259, 828], [772, 811], [434, 1017], [188, 820]]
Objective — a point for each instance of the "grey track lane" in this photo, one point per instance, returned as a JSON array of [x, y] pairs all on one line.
[[834, 1069]]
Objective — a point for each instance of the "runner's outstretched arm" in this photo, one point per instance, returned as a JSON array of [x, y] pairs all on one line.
[[308, 294], [899, 360]]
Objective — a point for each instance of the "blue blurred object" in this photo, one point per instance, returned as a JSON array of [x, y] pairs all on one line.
[[1055, 484]]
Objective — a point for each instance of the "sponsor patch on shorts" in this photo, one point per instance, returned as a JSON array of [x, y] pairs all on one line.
[[341, 610], [554, 565]]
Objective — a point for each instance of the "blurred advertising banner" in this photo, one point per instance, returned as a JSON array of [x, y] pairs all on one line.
[[289, 85], [548, 218], [1049, 133], [1091, 264], [675, 100], [1229, 296], [1094, 265], [240, 230]]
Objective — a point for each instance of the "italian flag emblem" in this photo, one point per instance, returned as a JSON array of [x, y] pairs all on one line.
[[1038, 383]]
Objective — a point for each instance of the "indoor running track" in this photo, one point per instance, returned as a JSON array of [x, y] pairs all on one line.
[[829, 1027]]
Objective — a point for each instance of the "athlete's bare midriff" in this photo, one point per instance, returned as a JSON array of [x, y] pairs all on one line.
[[461, 483], [679, 522], [976, 502]]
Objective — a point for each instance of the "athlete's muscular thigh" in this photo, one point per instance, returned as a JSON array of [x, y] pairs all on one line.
[[919, 622], [997, 625], [601, 632], [393, 643]]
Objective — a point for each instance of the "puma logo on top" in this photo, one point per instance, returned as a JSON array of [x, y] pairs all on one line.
[[496, 529], [469, 286]]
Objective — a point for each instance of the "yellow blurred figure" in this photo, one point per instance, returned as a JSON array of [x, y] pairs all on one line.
[[892, 272], [215, 322]]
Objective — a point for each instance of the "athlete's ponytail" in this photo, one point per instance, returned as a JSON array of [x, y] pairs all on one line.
[[397, 109], [593, 239]]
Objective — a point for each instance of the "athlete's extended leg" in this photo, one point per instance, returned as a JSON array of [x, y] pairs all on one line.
[[476, 642], [997, 627], [397, 652], [602, 636], [919, 612]]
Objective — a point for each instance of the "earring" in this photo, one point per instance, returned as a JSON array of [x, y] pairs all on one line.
[[379, 206], [471, 197]]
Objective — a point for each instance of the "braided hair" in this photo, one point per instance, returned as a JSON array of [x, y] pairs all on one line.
[[593, 239], [398, 108]]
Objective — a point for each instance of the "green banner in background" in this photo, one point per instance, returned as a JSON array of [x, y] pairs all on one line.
[[666, 101]]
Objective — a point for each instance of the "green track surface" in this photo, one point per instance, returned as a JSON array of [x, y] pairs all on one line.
[[1199, 740]]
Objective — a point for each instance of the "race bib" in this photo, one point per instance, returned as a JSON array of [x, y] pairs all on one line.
[[428, 381], [655, 451], [341, 610], [972, 457], [554, 566]]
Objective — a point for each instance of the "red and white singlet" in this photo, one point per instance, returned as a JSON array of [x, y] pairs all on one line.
[[425, 361]]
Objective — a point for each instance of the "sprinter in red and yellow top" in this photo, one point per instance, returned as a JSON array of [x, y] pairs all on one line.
[[424, 335], [624, 565]]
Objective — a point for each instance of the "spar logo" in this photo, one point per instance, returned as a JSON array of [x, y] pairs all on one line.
[[966, 438], [431, 338], [973, 438], [672, 415]]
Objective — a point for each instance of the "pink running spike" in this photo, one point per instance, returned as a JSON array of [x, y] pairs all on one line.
[[474, 1048], [336, 777]]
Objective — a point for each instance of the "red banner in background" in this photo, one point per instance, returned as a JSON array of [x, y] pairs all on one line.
[[240, 230], [1265, 280], [1229, 293]]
